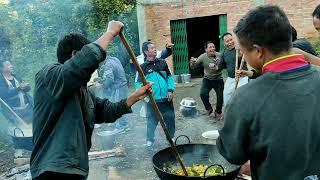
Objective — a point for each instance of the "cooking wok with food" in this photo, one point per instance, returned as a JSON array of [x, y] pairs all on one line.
[[202, 161]]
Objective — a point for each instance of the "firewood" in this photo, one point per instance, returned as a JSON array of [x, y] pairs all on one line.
[[21, 161], [105, 154]]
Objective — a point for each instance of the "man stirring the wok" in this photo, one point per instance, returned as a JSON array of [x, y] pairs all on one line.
[[273, 121], [65, 112]]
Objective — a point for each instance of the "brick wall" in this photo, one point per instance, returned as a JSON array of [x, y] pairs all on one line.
[[299, 14], [158, 15]]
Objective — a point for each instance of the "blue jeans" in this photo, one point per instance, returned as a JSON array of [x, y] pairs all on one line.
[[167, 110], [116, 96], [122, 122]]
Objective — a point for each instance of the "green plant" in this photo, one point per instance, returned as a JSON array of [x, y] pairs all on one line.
[[29, 31], [316, 45]]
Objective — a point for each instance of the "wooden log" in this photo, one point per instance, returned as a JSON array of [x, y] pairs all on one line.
[[21, 161], [117, 152]]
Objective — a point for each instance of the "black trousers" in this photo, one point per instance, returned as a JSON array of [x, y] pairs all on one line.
[[206, 87], [59, 176]]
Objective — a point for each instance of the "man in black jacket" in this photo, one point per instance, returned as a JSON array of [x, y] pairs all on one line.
[[302, 43], [228, 62], [274, 120], [65, 112]]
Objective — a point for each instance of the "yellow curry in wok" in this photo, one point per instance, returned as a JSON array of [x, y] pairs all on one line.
[[196, 170]]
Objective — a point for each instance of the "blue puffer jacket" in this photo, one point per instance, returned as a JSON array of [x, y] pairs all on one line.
[[157, 71]]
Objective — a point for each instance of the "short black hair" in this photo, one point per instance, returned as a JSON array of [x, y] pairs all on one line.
[[145, 47], [225, 34], [316, 12], [294, 33], [69, 43], [266, 26], [206, 44]]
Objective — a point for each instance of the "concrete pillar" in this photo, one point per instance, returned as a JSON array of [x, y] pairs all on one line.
[[141, 23]]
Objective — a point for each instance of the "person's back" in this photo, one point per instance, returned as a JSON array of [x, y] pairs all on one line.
[[304, 45], [115, 87], [61, 128], [285, 124], [113, 74], [274, 120]]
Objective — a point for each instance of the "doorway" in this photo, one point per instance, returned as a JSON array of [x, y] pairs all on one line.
[[189, 37], [200, 30]]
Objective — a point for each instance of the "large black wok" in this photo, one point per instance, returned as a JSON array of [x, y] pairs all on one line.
[[193, 154]]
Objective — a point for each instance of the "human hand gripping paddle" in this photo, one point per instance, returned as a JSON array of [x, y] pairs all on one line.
[[154, 104], [237, 76]]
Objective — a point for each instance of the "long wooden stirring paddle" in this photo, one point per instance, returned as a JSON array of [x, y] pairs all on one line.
[[237, 77], [154, 104]]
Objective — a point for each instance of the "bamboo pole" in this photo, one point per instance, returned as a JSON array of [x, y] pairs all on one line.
[[154, 104], [237, 78], [237, 63]]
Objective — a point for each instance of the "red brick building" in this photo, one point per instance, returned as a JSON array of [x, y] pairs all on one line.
[[189, 23]]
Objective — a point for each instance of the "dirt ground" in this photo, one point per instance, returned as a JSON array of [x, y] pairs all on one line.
[[137, 162], [6, 147]]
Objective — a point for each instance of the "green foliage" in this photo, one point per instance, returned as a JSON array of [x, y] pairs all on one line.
[[33, 28], [104, 9], [124, 11], [316, 45], [5, 44]]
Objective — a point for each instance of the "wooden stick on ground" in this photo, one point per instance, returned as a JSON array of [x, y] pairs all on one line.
[[154, 104], [22, 125], [104, 154]]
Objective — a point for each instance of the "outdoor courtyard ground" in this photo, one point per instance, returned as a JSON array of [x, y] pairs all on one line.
[[136, 164]]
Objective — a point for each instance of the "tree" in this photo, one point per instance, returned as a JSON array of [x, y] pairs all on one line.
[[108, 8], [32, 28], [5, 45]]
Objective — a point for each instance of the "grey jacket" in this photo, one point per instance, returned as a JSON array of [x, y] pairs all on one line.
[[113, 76]]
